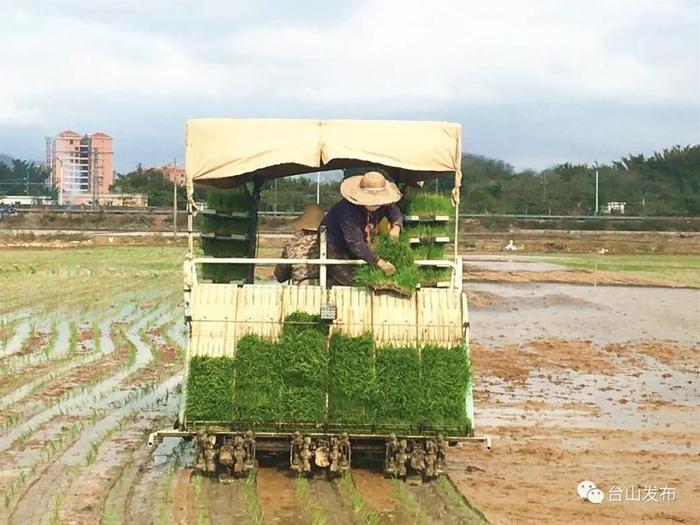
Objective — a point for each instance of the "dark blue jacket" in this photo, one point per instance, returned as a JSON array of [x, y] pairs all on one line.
[[345, 225]]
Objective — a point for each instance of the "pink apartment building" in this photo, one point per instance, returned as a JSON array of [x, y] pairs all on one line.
[[174, 174], [81, 166]]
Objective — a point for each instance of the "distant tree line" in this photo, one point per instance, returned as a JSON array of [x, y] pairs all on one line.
[[19, 177], [665, 183]]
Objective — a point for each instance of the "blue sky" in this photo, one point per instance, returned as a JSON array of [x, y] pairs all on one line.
[[533, 83]]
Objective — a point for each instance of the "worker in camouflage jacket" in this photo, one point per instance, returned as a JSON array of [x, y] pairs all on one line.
[[302, 246]]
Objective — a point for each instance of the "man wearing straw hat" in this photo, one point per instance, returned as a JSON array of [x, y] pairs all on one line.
[[368, 199], [302, 246]]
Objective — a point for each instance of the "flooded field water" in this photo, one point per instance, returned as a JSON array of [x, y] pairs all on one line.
[[571, 382]]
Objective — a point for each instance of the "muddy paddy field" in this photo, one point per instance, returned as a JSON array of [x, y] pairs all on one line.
[[572, 381]]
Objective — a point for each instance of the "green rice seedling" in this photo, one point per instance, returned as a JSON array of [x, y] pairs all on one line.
[[96, 336], [73, 338], [108, 518], [225, 273], [258, 384], [252, 504], [468, 512], [55, 518], [300, 321], [394, 251], [166, 497], [398, 386], [428, 231], [445, 379], [432, 276], [352, 380], [302, 404], [304, 358], [303, 361], [430, 251], [397, 252], [92, 453], [203, 516], [425, 204], [409, 503], [226, 202], [225, 247], [210, 389], [404, 280], [359, 505], [309, 504], [7, 330], [225, 225]]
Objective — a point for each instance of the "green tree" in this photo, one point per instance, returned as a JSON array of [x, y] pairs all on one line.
[[151, 182], [25, 178]]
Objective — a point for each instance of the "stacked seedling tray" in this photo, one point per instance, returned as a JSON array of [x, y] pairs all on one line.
[[352, 387], [228, 230], [427, 228], [308, 379]]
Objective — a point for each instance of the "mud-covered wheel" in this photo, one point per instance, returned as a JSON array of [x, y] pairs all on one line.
[[237, 455], [396, 457], [301, 453]]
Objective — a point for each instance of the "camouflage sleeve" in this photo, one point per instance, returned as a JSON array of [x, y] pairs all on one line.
[[283, 272]]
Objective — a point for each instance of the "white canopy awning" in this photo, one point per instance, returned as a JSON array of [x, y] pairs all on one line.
[[227, 152]]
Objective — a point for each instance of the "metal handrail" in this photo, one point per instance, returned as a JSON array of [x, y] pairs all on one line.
[[267, 261]]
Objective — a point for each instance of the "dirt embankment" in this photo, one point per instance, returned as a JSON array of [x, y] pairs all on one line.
[[128, 220], [597, 278], [672, 235], [578, 241]]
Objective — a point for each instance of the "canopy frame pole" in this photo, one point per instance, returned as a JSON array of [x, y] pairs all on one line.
[[322, 256], [456, 239], [190, 218], [455, 200]]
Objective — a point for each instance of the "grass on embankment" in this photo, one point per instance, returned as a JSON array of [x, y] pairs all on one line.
[[682, 269]]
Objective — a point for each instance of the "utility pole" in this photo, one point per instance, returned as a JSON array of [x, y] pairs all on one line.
[[174, 209], [595, 212], [544, 192]]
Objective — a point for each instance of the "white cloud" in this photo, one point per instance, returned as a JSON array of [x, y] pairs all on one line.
[[471, 52], [12, 114], [68, 64]]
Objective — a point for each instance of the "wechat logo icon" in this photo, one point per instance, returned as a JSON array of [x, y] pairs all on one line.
[[587, 491]]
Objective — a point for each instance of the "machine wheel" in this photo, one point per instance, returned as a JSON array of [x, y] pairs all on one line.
[[333, 454]]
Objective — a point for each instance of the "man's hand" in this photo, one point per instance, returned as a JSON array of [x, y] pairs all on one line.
[[395, 231], [386, 267]]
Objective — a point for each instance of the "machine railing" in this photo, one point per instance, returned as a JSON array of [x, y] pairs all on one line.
[[455, 266]]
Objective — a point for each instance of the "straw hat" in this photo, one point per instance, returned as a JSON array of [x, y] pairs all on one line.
[[310, 218], [370, 189]]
